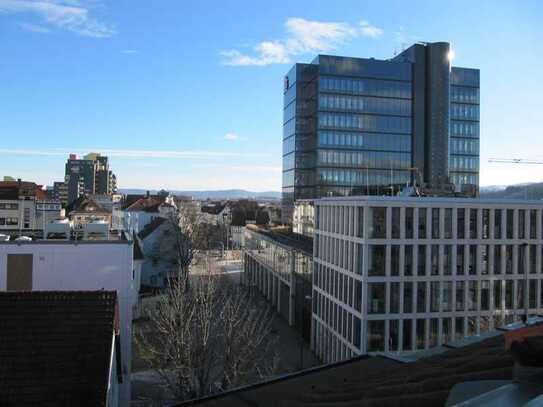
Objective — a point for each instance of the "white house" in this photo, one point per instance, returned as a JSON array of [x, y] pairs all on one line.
[[106, 264], [145, 210]]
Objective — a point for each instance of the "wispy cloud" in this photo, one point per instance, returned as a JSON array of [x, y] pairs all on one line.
[[129, 51], [70, 15], [194, 154], [369, 30], [302, 36], [34, 28], [231, 136]]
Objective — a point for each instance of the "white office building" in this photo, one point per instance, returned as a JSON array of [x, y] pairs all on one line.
[[395, 274]]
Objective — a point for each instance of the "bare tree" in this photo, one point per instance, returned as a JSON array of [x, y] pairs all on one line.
[[208, 337]]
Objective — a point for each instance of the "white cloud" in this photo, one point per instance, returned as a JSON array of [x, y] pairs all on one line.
[[302, 37], [34, 28], [369, 30], [68, 15], [231, 136]]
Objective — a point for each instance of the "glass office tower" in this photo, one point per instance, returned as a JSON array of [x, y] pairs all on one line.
[[357, 126]]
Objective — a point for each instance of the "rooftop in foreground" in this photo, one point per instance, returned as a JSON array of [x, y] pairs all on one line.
[[377, 380], [56, 347]]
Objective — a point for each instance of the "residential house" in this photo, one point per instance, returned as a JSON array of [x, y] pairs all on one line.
[[86, 210], [107, 263]]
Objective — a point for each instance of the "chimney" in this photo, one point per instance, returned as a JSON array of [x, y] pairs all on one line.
[[526, 347]]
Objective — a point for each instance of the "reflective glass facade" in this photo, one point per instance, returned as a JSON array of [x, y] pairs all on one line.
[[464, 127], [354, 126]]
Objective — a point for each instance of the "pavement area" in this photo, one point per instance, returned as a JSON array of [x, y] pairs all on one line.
[[293, 355]]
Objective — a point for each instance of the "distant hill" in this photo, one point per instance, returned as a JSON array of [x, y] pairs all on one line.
[[220, 194], [518, 191]]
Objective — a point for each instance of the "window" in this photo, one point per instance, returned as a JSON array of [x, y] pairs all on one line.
[[473, 224], [395, 260], [472, 295], [448, 223], [394, 333], [434, 260], [422, 223], [447, 296], [395, 223], [460, 295], [460, 260], [485, 295], [408, 297], [421, 269], [421, 333], [394, 298], [447, 260], [421, 296], [435, 223], [407, 333], [408, 260], [461, 223], [434, 296], [498, 294], [497, 223], [376, 336], [486, 224], [376, 298], [378, 225], [409, 223], [376, 257]]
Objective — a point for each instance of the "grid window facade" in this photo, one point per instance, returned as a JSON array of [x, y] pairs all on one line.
[[406, 274]]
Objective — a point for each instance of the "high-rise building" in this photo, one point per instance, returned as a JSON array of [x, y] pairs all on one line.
[[90, 175], [357, 126]]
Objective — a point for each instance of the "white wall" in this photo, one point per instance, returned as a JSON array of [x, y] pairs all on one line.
[[85, 266]]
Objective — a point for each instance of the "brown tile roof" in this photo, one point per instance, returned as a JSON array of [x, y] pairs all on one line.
[[147, 204], [85, 204], [55, 347], [14, 189], [368, 382]]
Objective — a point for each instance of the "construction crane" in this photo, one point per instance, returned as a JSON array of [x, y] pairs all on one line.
[[514, 161]]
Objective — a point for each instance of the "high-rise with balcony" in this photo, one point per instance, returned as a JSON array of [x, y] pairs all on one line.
[[357, 126]]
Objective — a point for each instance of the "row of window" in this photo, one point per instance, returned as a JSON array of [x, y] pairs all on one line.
[[363, 178], [364, 159], [460, 111], [9, 206], [9, 221], [368, 141], [463, 146], [437, 296], [328, 347], [471, 223], [469, 259], [462, 94], [340, 286], [464, 129], [365, 104], [386, 124], [464, 76], [463, 163], [370, 87], [464, 178], [339, 253]]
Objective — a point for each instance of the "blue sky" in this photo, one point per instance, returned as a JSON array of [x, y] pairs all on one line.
[[188, 94]]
